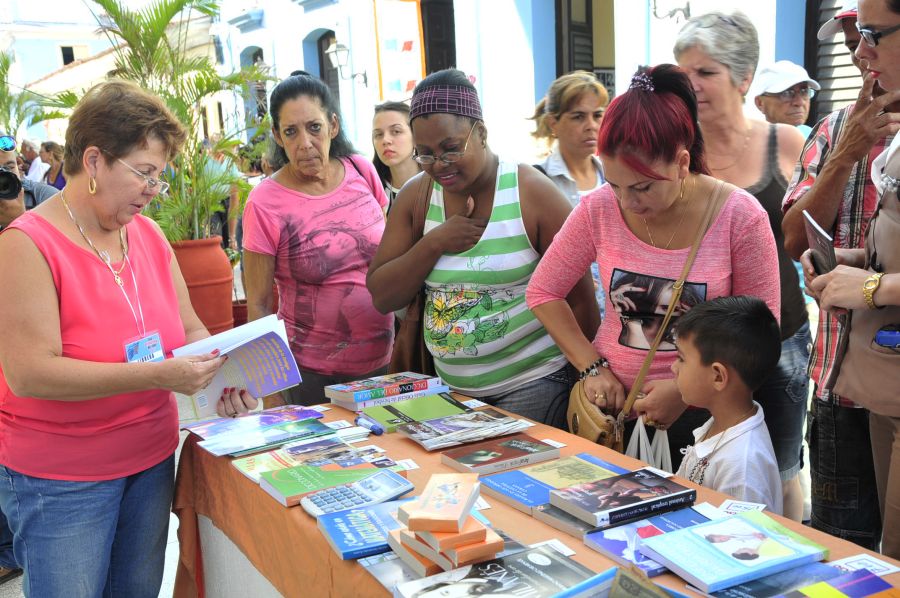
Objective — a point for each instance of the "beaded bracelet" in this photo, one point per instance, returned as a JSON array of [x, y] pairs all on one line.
[[592, 370]]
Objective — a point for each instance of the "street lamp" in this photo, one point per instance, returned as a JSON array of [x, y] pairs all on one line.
[[338, 54]]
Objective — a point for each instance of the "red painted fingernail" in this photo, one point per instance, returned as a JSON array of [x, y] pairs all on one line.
[[215, 352]]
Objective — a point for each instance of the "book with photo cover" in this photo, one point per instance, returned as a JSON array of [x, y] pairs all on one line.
[[382, 386], [245, 442], [821, 245], [291, 484], [461, 428], [530, 487], [536, 572], [722, 553], [499, 454], [333, 456], [360, 405], [254, 420], [413, 410], [623, 498]]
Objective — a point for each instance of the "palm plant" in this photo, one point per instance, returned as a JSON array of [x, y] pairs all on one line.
[[153, 48], [18, 109]]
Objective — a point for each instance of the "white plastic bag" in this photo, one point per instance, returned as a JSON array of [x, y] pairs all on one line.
[[656, 453]]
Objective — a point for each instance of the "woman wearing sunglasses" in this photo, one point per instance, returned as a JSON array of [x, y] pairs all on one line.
[[489, 221], [93, 302], [720, 52], [866, 283]]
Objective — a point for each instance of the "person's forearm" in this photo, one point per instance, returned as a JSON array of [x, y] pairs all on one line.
[[394, 284], [888, 292], [559, 320], [584, 306], [67, 379], [822, 201]]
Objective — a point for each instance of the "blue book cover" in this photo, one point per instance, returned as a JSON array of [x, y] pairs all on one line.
[[530, 487], [726, 552], [621, 543], [771, 586], [360, 532], [856, 584]]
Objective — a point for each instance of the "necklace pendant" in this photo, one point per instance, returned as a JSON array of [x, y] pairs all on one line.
[[118, 279]]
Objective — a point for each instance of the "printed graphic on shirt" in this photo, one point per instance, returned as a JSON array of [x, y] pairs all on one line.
[[458, 320], [641, 301]]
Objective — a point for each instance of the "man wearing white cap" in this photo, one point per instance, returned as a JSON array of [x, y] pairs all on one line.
[[833, 183], [783, 91]]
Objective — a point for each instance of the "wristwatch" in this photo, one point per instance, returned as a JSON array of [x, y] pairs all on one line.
[[594, 368], [869, 287]]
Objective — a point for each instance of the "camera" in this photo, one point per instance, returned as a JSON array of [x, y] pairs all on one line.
[[10, 185]]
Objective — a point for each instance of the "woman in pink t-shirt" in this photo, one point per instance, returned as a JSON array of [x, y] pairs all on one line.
[[639, 227], [93, 303], [313, 228]]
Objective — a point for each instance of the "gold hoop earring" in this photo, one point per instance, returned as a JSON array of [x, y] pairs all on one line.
[[92, 185]]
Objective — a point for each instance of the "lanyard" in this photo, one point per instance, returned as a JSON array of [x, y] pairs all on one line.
[[141, 327]]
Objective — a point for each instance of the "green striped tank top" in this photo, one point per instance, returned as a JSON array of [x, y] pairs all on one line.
[[484, 339]]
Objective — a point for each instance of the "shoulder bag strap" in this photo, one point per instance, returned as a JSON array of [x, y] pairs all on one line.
[[712, 209], [420, 208]]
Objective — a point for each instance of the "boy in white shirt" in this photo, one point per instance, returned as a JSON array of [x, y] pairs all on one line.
[[726, 349]]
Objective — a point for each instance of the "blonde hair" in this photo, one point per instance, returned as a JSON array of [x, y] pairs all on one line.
[[562, 95]]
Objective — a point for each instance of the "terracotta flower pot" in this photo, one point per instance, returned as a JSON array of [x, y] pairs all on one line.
[[209, 278]]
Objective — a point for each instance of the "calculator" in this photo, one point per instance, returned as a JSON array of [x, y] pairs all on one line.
[[379, 487]]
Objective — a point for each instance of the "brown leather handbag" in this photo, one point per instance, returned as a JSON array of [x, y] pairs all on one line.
[[585, 419], [410, 354]]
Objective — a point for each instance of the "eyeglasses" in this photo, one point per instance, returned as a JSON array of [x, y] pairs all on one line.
[[446, 157], [155, 185], [871, 36], [790, 93], [7, 143]]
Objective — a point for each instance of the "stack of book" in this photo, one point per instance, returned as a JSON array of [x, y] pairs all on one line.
[[417, 409], [383, 390], [290, 484], [437, 529], [622, 498], [453, 430]]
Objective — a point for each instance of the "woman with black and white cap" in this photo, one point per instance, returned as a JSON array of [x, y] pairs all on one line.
[[489, 221]]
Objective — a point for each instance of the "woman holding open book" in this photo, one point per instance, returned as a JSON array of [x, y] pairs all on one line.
[[487, 221], [93, 303], [866, 283], [640, 227]]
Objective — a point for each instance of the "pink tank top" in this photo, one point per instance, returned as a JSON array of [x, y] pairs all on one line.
[[110, 437]]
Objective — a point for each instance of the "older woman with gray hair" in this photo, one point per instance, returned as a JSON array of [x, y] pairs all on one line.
[[720, 53]]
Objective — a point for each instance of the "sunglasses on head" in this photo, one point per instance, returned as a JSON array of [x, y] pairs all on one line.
[[7, 143]]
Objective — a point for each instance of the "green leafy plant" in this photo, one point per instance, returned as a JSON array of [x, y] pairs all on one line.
[[22, 108]]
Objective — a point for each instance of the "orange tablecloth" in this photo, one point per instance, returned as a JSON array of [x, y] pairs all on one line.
[[287, 548]]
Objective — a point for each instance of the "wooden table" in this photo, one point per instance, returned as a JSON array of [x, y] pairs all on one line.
[[286, 547]]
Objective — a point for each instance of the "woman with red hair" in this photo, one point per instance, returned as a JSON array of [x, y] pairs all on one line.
[[639, 228]]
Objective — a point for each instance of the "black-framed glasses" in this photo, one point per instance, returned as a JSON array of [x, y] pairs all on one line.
[[7, 143], [790, 93], [446, 157], [872, 36]]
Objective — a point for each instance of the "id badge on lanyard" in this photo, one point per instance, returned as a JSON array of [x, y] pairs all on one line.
[[143, 349]]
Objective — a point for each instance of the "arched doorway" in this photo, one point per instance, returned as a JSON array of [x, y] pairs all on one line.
[[328, 73]]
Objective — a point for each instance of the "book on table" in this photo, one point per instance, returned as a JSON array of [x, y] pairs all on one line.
[[461, 428], [259, 359], [412, 410], [291, 484], [499, 454], [382, 386], [725, 552], [855, 584], [360, 405], [361, 532], [530, 487], [777, 584], [454, 557], [331, 454], [536, 572], [472, 531], [420, 565], [211, 428], [245, 442], [620, 543], [622, 498], [443, 505]]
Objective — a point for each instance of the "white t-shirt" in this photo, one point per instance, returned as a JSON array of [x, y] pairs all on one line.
[[37, 170], [743, 465]]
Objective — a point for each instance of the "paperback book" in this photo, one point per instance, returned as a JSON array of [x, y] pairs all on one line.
[[857, 584], [382, 386], [621, 543], [360, 405], [444, 504], [454, 557], [536, 573], [335, 455], [412, 410], [530, 487], [420, 565], [472, 531], [453, 430], [499, 454], [290, 484], [564, 522], [260, 419], [360, 532], [259, 359], [726, 552], [623, 498], [778, 584], [245, 442], [821, 245]]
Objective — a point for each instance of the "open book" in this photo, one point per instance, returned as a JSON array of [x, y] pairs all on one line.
[[259, 359]]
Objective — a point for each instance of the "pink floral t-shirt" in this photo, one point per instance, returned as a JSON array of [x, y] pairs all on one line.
[[322, 247], [736, 257]]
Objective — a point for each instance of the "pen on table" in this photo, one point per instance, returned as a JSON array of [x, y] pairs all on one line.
[[365, 422]]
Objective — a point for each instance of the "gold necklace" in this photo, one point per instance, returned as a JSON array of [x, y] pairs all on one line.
[[680, 221], [698, 471], [740, 155], [103, 255]]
